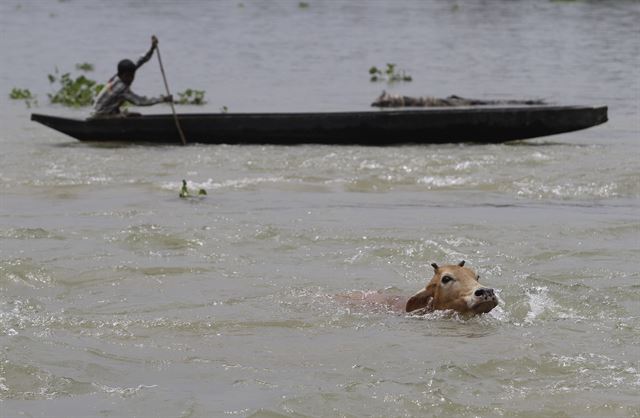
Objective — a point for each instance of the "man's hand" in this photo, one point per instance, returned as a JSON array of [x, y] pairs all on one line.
[[154, 42]]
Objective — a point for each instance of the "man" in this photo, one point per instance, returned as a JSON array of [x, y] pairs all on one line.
[[117, 90]]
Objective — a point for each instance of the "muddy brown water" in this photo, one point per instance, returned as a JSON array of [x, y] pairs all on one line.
[[118, 298]]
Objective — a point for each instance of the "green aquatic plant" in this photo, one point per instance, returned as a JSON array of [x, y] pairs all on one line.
[[23, 94], [20, 94], [74, 92], [85, 66], [191, 97], [303, 5], [389, 74], [184, 191]]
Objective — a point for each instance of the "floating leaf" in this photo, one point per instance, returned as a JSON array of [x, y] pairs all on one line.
[[191, 97], [389, 75], [23, 94], [77, 92], [85, 66], [20, 94], [184, 192]]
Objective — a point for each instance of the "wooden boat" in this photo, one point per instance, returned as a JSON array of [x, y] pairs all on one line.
[[473, 124]]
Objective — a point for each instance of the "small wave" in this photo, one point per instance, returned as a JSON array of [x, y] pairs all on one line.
[[540, 190], [124, 392], [496, 316], [59, 176], [150, 237], [29, 233], [542, 305], [539, 301], [211, 184], [24, 271], [27, 382], [370, 165], [547, 375], [444, 181], [387, 248], [603, 370], [162, 271]]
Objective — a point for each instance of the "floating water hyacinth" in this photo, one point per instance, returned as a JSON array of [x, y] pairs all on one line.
[[85, 66], [23, 94], [78, 92], [389, 74], [20, 94], [191, 97], [184, 191]]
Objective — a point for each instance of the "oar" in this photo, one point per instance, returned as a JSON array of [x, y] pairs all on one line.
[[173, 109]]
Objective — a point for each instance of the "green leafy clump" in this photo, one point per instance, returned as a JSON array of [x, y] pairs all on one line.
[[389, 74], [191, 97], [224, 109], [20, 94], [184, 191], [23, 94], [76, 92], [303, 5], [85, 66]]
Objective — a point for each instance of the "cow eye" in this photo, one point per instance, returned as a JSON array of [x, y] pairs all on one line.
[[446, 279], [478, 278]]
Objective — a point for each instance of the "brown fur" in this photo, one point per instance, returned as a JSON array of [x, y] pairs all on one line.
[[452, 287]]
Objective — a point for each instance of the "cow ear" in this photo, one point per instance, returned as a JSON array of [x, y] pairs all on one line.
[[420, 300], [461, 264], [435, 266]]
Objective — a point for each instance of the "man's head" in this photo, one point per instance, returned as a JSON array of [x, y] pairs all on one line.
[[126, 71]]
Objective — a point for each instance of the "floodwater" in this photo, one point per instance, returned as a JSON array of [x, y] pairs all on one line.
[[118, 298]]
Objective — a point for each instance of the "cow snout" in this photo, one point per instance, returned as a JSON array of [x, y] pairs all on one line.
[[485, 292]]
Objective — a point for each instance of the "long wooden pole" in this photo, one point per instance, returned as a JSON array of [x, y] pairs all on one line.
[[173, 109]]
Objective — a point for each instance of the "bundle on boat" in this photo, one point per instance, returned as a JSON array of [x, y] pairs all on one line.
[[397, 100]]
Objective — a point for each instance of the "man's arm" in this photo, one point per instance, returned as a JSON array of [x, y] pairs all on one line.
[[146, 57], [144, 101]]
